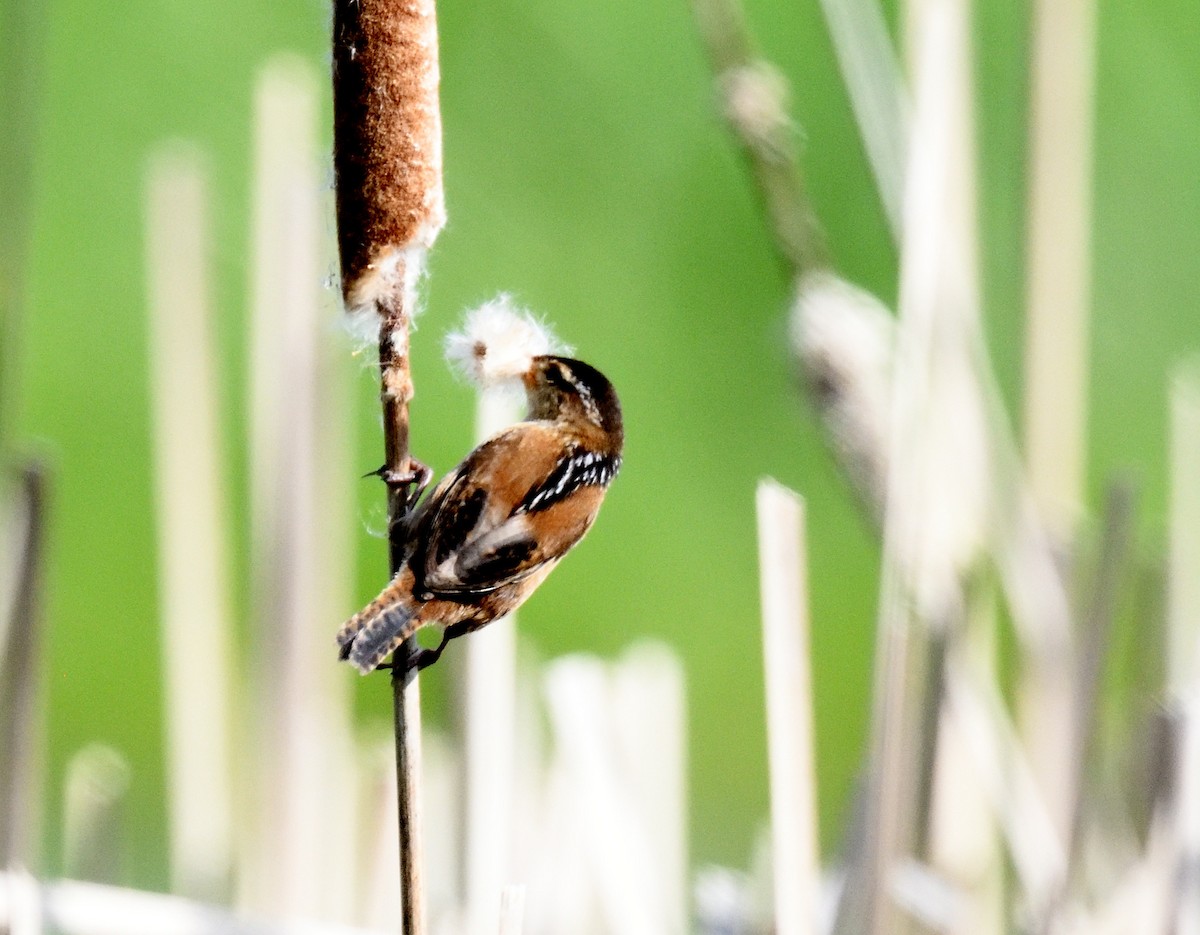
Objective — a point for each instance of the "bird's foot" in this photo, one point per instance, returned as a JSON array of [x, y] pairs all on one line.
[[417, 659], [411, 482]]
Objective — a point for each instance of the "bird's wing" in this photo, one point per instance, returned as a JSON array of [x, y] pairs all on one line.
[[481, 533]]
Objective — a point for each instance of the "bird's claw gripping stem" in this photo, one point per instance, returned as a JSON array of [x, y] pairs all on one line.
[[417, 660], [411, 482]]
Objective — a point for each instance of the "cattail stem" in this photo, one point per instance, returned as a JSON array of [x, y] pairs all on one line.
[[396, 391], [387, 156]]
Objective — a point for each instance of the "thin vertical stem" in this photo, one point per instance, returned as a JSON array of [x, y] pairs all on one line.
[[1056, 337], [788, 682], [647, 697], [396, 384], [1183, 663], [1098, 621], [18, 674], [1183, 586], [1059, 247], [191, 539], [489, 699], [871, 71], [296, 856], [388, 160]]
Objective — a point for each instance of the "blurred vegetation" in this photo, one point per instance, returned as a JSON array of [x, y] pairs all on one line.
[[586, 172]]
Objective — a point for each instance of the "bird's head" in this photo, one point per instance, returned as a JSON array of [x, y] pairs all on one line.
[[565, 389]]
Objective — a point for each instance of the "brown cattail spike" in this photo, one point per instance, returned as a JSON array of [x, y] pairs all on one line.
[[387, 141]]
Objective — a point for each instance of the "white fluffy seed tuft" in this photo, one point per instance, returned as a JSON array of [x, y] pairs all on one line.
[[498, 342], [397, 274]]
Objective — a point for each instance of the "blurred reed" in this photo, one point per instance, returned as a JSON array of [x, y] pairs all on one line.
[[191, 509], [1058, 252], [784, 587], [23, 529], [953, 790], [487, 689], [94, 816], [299, 853]]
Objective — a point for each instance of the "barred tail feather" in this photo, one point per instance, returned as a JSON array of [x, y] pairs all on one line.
[[383, 634], [351, 628], [392, 597]]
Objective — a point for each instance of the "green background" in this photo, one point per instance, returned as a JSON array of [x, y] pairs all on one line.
[[586, 173]]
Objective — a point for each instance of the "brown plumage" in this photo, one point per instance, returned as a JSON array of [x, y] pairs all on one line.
[[497, 524]]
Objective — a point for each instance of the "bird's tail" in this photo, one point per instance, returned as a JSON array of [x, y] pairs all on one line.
[[375, 631]]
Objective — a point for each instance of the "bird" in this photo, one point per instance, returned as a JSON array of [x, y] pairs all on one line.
[[498, 524]]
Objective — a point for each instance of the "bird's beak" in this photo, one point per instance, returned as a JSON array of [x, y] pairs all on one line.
[[530, 376]]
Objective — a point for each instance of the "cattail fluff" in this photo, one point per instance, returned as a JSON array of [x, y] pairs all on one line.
[[498, 342], [844, 339]]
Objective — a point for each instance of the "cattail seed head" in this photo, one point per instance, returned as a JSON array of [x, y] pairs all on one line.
[[387, 143]]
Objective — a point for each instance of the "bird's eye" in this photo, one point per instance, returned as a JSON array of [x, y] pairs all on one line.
[[559, 376]]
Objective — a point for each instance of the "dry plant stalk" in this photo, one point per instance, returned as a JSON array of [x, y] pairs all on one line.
[[1058, 251], [94, 813], [871, 72], [783, 582], [753, 98], [1181, 813], [650, 711], [1183, 591], [18, 672], [296, 858], [1058, 299], [192, 543], [1098, 622], [620, 855], [387, 156], [488, 695]]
